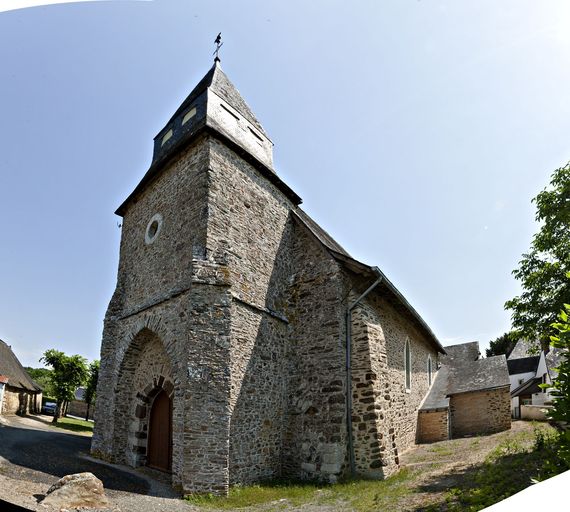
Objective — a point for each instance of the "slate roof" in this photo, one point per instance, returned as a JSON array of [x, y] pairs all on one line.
[[11, 368], [524, 348], [386, 288], [217, 81], [462, 352], [437, 397], [460, 373], [523, 365], [328, 241], [483, 374], [553, 359], [528, 388]]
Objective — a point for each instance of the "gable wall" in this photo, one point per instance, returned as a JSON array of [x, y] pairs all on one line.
[[315, 437]]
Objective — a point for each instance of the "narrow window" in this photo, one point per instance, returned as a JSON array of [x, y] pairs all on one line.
[[408, 365], [189, 115], [166, 138], [429, 370]]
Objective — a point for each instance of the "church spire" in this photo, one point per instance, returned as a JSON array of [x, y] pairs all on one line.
[[216, 104]]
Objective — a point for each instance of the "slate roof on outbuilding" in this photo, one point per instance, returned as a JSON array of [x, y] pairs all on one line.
[[460, 373], [528, 388], [480, 375], [437, 397], [10, 367], [523, 365], [462, 352]]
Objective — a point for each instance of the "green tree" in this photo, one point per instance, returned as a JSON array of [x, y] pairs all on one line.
[[42, 377], [91, 385], [502, 345], [68, 373], [560, 389], [542, 270]]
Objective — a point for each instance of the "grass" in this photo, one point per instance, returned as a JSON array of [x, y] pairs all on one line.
[[508, 463], [75, 425], [509, 468], [359, 494]]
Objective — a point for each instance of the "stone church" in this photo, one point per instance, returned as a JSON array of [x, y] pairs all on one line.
[[237, 323]]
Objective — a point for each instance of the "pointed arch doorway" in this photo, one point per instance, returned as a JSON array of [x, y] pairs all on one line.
[[160, 433]]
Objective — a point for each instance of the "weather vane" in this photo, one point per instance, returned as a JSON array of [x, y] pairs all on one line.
[[219, 44]]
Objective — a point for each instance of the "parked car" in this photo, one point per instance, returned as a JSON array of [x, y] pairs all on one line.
[[49, 408]]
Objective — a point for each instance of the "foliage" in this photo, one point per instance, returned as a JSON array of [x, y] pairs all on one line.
[[43, 377], [68, 373], [560, 389], [542, 270], [508, 469], [502, 345], [91, 385]]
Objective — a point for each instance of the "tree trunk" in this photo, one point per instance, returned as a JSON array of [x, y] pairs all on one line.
[[87, 413], [56, 412]]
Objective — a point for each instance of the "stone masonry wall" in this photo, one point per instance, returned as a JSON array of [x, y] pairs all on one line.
[[384, 412], [149, 272], [19, 401], [433, 426], [180, 294], [480, 412], [259, 386], [314, 445], [249, 224]]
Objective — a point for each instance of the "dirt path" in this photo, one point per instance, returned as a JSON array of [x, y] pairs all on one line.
[[34, 455], [441, 466]]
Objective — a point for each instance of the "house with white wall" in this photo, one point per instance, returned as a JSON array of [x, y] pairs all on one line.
[[526, 373]]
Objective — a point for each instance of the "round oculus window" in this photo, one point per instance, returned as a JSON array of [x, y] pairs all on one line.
[[153, 228]]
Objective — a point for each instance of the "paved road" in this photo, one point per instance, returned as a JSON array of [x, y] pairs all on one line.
[[42, 454]]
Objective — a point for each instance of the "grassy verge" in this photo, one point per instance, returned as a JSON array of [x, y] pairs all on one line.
[[436, 479], [75, 425], [511, 467], [361, 494]]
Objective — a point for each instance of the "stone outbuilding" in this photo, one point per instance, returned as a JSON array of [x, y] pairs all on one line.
[[469, 396], [242, 342], [19, 394]]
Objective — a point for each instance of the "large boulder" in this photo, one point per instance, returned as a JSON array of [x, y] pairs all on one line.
[[81, 490]]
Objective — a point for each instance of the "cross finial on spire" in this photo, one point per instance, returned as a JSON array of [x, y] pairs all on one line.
[[219, 44]]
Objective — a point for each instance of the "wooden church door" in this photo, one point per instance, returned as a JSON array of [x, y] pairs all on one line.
[[160, 433]]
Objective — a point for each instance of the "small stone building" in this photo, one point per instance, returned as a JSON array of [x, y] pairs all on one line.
[[242, 342], [19, 394], [469, 396]]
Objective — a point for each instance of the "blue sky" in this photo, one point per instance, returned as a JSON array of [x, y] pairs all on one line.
[[416, 133]]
